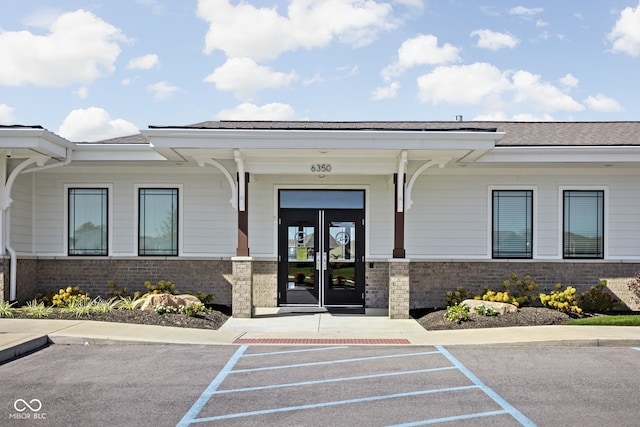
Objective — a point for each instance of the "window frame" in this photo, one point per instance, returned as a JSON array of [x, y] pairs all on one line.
[[492, 217], [109, 223], [179, 189], [604, 222]]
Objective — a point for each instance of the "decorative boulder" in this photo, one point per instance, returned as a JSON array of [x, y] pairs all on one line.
[[154, 300], [500, 307]]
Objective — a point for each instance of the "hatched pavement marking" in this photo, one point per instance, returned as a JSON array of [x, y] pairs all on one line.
[[191, 416]]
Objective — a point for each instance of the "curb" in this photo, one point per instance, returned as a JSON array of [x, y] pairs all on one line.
[[27, 346]]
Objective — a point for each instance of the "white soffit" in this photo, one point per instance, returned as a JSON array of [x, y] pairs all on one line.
[[26, 142]]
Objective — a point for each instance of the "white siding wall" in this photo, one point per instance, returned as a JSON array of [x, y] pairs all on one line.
[[450, 216], [209, 221], [22, 214]]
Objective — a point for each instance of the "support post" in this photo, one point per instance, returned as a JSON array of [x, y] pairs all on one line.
[[399, 288], [242, 291], [398, 219], [243, 219]]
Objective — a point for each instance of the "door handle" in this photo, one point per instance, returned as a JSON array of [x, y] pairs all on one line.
[[324, 261]]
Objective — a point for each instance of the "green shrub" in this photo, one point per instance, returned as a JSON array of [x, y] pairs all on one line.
[[598, 300], [457, 313], [205, 298], [457, 296], [7, 309], [38, 309], [483, 310], [69, 295], [561, 300], [115, 291], [190, 311], [522, 291], [162, 287]]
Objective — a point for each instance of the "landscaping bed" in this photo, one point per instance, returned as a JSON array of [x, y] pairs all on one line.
[[525, 316], [215, 317]]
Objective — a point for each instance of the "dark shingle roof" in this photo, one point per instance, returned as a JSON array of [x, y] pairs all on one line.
[[516, 133]]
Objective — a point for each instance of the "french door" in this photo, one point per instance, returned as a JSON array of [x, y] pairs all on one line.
[[321, 257]]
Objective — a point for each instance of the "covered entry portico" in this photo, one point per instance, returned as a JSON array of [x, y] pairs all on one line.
[[334, 247]]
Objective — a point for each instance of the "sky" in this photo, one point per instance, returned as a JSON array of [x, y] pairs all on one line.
[[97, 69]]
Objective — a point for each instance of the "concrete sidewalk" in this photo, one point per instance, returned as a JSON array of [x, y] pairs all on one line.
[[21, 336]]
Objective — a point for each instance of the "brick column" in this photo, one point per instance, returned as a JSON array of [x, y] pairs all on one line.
[[241, 294], [399, 288]]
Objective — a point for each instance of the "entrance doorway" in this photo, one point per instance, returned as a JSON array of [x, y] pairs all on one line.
[[321, 248]]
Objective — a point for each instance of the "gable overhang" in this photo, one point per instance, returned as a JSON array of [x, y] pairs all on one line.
[[28, 142], [294, 151]]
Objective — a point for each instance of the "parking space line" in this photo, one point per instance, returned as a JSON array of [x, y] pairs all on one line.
[[452, 418], [334, 380], [192, 413], [332, 403], [636, 348], [331, 362], [488, 391]]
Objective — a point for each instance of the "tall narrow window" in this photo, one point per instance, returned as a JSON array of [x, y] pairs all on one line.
[[88, 221], [512, 223], [583, 224], [158, 221]]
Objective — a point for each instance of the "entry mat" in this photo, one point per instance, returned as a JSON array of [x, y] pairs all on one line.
[[338, 341]]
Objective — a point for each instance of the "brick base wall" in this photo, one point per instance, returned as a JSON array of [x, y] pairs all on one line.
[[92, 275], [377, 285], [265, 283], [430, 280]]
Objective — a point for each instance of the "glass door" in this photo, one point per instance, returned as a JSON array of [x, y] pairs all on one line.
[[343, 246], [321, 257], [297, 270]]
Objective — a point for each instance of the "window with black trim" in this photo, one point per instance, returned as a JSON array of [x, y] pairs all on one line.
[[158, 221], [512, 223], [583, 228], [87, 227]]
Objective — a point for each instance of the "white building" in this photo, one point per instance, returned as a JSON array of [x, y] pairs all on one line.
[[374, 216]]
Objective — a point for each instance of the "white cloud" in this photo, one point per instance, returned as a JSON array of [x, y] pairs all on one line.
[[494, 40], [462, 84], [6, 115], [530, 90], [524, 11], [162, 90], [501, 116], [94, 124], [525, 117], [417, 4], [496, 90], [247, 111], [79, 48], [603, 104], [386, 92], [145, 62], [569, 80], [244, 77], [626, 32], [540, 23], [156, 8], [82, 92], [243, 30], [420, 50]]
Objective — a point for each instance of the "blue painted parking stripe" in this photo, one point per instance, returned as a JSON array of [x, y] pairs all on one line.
[[190, 416], [331, 362], [452, 418], [492, 394], [333, 403], [333, 380], [636, 348], [340, 347]]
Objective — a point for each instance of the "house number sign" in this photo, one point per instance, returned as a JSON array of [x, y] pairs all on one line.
[[321, 167]]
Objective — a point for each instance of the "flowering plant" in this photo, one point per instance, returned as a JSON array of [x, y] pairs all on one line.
[[457, 313]]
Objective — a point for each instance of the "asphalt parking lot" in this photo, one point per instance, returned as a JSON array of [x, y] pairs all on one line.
[[168, 385]]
